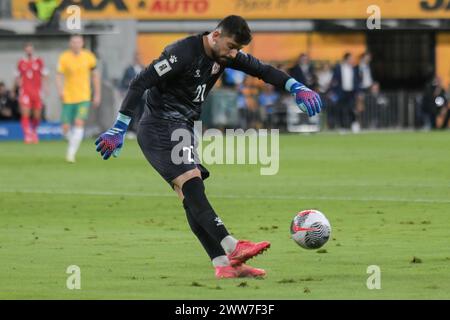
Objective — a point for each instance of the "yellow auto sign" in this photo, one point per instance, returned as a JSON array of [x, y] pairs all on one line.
[[250, 9]]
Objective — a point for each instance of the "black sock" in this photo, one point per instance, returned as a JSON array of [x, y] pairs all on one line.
[[201, 210], [212, 247]]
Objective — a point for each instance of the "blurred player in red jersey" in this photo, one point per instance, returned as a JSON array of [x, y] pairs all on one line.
[[31, 74]]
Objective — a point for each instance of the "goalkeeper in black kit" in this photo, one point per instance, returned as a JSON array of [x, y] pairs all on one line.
[[178, 83]]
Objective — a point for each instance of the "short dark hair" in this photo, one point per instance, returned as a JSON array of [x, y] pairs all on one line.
[[347, 55], [236, 27], [365, 54]]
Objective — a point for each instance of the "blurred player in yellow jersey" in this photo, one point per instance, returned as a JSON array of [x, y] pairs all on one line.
[[76, 67]]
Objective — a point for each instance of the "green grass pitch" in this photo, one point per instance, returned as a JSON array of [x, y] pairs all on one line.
[[387, 196]]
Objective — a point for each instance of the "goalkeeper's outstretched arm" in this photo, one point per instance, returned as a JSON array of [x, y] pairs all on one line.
[[307, 100], [161, 69]]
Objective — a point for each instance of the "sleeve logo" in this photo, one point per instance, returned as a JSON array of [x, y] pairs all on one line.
[[173, 59], [162, 67]]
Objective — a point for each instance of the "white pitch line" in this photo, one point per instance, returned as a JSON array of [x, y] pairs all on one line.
[[228, 196], [365, 185]]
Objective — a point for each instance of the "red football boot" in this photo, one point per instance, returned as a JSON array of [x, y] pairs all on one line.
[[240, 271], [246, 250]]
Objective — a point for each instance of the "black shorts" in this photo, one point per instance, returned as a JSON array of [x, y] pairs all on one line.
[[154, 138]]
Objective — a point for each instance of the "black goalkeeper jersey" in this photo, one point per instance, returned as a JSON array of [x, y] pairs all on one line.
[[181, 78]]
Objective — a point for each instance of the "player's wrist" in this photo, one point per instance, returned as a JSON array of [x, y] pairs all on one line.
[[122, 121], [292, 84]]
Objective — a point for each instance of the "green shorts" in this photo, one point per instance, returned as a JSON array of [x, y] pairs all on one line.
[[75, 111]]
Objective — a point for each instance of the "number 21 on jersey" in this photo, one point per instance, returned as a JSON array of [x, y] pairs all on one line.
[[200, 93]]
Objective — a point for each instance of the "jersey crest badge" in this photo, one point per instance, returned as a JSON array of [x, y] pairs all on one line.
[[197, 73], [215, 68]]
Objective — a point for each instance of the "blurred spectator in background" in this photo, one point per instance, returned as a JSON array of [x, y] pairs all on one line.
[[324, 77], [443, 118], [130, 72], [365, 72], [242, 107], [345, 88], [9, 109], [48, 12], [31, 77], [434, 99], [268, 100], [248, 103], [376, 103], [232, 78], [365, 86], [303, 71]]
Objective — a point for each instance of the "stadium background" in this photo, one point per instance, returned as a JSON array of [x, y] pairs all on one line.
[[413, 44]]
